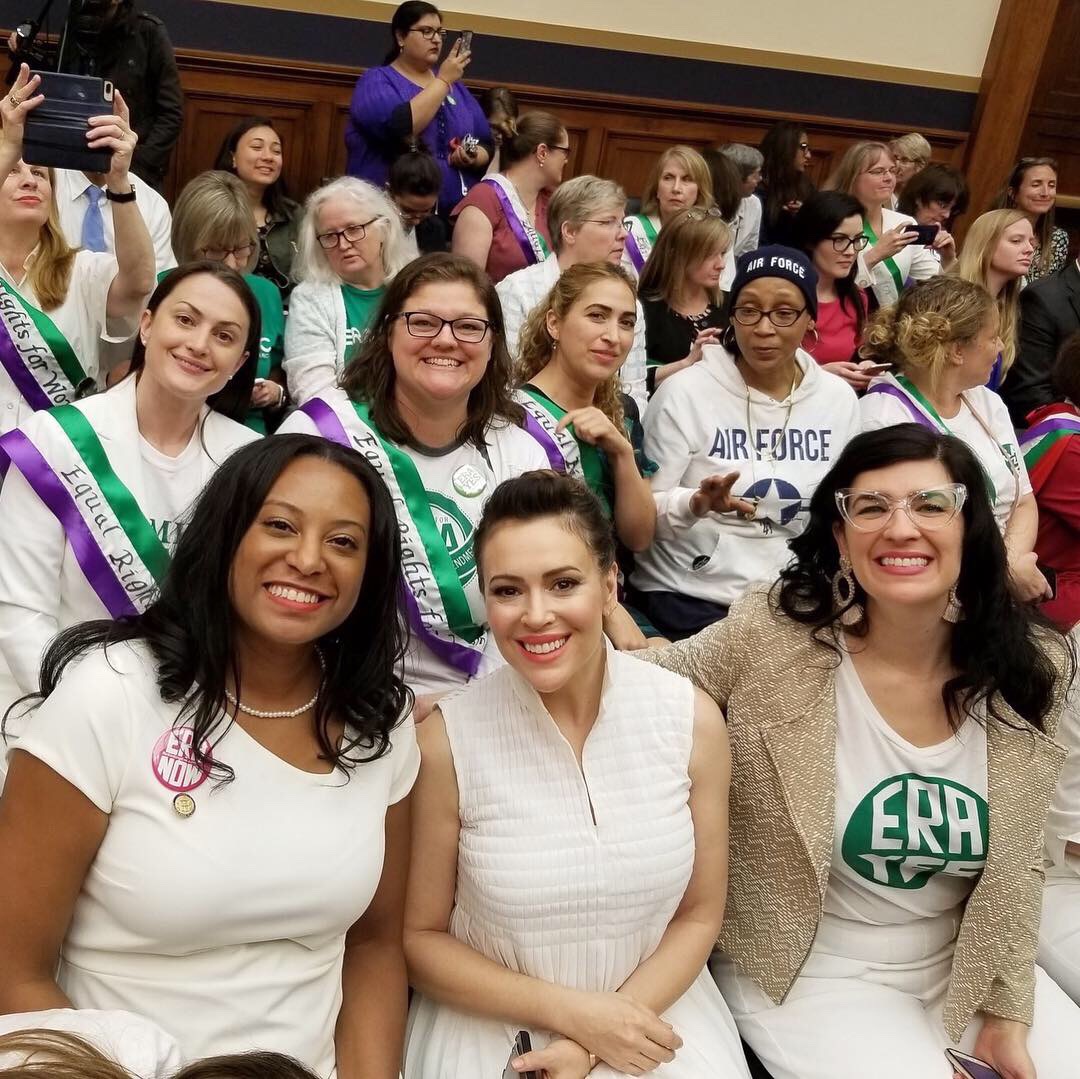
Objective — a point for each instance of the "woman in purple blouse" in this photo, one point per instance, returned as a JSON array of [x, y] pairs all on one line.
[[411, 97]]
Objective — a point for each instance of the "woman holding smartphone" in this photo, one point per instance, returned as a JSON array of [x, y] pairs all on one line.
[[892, 710], [570, 831], [413, 96]]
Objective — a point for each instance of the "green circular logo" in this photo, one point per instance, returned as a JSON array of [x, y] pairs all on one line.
[[457, 534], [911, 827]]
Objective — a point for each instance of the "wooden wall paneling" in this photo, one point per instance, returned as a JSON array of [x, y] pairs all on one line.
[[614, 136], [1017, 48]]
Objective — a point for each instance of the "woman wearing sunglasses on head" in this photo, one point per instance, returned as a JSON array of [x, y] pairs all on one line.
[[741, 440], [428, 401], [942, 341], [351, 244], [891, 709]]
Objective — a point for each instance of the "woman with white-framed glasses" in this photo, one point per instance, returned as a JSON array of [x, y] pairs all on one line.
[[427, 400], [351, 244], [896, 255], [741, 440], [941, 342], [892, 710]]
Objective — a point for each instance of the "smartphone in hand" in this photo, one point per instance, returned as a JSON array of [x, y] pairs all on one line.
[[55, 133], [464, 43], [522, 1044], [925, 235], [971, 1067]]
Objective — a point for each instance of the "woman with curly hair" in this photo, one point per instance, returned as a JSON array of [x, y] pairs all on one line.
[[892, 710]]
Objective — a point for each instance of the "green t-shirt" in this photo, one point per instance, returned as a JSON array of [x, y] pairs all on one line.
[[271, 338], [360, 307]]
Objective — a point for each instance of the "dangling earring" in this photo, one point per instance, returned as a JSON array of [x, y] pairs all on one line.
[[954, 609], [817, 336], [843, 590]]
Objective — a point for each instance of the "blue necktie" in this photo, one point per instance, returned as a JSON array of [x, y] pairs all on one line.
[[93, 226]]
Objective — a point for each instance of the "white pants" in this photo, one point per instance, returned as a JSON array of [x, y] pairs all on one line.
[[1059, 934], [868, 1003]]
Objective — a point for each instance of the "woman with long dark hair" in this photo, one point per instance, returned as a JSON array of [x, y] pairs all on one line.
[[891, 708], [828, 227], [207, 821], [96, 491], [784, 183], [254, 151], [1032, 189], [413, 96], [428, 401]]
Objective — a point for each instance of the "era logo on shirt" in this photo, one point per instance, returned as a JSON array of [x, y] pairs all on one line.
[[456, 531], [174, 762], [910, 827]]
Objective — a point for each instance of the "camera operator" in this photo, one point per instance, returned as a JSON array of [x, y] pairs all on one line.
[[114, 40]]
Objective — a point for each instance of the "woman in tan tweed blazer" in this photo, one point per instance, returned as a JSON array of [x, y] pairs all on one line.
[[891, 711]]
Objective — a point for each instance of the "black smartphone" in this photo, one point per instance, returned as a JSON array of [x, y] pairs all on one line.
[[1051, 578], [464, 43], [55, 133], [522, 1044], [971, 1067], [925, 235]]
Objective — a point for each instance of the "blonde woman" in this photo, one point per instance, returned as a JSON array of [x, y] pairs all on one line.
[[680, 292], [1032, 189], [351, 245], [911, 153], [894, 257], [56, 303], [679, 179], [570, 352], [213, 221], [998, 253], [942, 340]]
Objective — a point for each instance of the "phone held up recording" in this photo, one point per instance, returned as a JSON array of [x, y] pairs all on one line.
[[55, 133]]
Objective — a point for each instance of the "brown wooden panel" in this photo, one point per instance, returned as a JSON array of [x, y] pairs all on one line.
[[618, 137]]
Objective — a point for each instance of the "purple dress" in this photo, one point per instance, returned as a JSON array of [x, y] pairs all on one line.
[[380, 121]]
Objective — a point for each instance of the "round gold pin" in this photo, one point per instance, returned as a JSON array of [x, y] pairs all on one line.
[[184, 805]]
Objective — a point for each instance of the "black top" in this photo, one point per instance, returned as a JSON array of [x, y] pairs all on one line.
[[669, 335]]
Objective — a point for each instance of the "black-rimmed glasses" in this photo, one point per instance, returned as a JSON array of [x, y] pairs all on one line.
[[871, 511], [841, 243], [352, 233], [467, 329], [779, 316], [428, 33], [220, 254]]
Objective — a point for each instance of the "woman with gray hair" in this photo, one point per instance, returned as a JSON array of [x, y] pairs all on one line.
[[351, 244], [585, 218], [749, 160]]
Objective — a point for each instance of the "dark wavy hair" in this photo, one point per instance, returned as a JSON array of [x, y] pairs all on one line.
[[783, 182], [370, 376], [545, 493], [404, 19], [275, 196], [189, 627], [818, 218], [1006, 200], [234, 398], [1000, 647], [935, 183]]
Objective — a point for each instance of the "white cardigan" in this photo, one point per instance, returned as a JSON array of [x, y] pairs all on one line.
[[315, 340], [915, 262], [42, 588]]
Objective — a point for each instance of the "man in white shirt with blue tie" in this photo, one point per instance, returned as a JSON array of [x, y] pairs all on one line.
[[86, 215]]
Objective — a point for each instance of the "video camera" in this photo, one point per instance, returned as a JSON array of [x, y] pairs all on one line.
[[77, 49]]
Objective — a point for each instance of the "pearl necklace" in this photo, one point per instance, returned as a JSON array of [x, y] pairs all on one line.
[[291, 713]]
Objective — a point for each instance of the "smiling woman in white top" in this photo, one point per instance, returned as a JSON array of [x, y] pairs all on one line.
[[351, 245], [570, 850], [208, 812], [94, 496], [942, 340], [56, 303], [895, 256]]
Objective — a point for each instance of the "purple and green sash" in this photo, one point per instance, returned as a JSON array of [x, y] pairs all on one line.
[[115, 545], [532, 244], [563, 452], [1044, 444], [640, 240], [35, 354], [434, 599]]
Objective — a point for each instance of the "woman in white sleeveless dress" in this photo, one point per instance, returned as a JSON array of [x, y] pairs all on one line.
[[570, 831]]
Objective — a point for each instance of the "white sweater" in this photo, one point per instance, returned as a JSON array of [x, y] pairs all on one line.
[[522, 290], [915, 262], [697, 426], [314, 340]]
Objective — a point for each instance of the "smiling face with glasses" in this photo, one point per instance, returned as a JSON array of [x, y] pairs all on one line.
[[875, 184], [902, 528]]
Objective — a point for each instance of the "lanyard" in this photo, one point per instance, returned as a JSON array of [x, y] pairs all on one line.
[[894, 270]]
